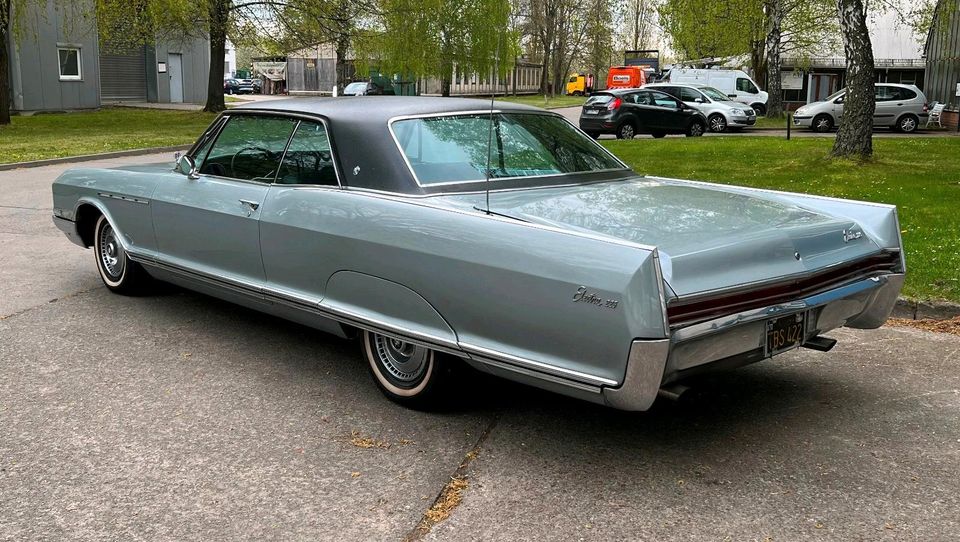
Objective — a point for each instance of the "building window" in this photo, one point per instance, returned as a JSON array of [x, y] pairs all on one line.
[[69, 63]]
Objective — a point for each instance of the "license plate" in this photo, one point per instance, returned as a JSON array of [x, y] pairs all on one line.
[[785, 333], [591, 111]]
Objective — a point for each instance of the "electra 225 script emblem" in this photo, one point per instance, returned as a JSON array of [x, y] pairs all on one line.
[[583, 296], [850, 235]]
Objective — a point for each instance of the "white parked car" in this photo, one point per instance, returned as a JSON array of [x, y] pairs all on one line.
[[900, 107], [721, 112], [736, 84]]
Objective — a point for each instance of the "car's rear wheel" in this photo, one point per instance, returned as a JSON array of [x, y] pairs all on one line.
[[696, 129], [405, 372], [717, 122], [822, 123], [118, 273], [907, 124], [626, 131]]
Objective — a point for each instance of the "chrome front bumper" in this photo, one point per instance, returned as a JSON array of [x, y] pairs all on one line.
[[739, 338]]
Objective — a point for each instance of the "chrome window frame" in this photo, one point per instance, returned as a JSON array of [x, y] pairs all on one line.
[[491, 112]]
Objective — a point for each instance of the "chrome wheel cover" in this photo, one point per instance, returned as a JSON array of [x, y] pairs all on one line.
[[823, 124], [626, 131], [718, 124], [112, 257], [404, 364], [908, 124]]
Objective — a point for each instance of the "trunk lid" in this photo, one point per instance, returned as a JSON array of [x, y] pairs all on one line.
[[709, 238]]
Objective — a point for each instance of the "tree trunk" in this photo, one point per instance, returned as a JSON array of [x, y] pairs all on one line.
[[219, 12], [855, 136], [774, 20], [343, 47], [758, 61], [5, 26]]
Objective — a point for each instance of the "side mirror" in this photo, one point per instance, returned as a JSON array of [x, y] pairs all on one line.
[[187, 166]]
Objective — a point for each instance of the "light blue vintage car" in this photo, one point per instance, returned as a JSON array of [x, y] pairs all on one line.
[[442, 230]]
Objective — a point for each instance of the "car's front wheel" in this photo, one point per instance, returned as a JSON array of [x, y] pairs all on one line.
[[626, 131], [118, 272], [822, 123], [717, 123], [405, 372]]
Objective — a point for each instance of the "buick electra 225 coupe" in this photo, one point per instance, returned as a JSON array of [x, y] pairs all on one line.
[[441, 230]]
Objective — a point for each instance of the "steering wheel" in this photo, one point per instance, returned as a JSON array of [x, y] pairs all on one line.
[[265, 152]]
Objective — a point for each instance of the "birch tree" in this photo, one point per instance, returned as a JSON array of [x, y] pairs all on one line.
[[855, 135]]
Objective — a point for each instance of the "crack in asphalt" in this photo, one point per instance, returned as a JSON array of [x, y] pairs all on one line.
[[450, 495], [4, 317]]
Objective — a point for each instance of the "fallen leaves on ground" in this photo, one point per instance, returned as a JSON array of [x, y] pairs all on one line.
[[449, 499], [951, 326], [362, 441]]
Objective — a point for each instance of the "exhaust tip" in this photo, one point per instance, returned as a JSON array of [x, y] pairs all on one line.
[[672, 392], [820, 343]]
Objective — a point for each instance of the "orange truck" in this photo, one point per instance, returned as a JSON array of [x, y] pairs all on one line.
[[626, 77]]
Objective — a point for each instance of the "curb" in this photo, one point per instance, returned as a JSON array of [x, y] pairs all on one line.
[[90, 157], [911, 309]]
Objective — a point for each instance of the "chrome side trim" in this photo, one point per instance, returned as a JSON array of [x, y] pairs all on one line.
[[536, 365], [718, 325], [124, 198], [641, 383], [661, 291]]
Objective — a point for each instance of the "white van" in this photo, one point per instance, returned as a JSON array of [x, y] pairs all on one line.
[[735, 83]]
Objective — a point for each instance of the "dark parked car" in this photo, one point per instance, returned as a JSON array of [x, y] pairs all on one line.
[[628, 112], [238, 86]]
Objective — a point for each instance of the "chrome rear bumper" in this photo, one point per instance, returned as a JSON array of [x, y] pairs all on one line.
[[738, 339]]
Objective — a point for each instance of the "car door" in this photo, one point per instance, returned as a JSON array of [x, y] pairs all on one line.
[[673, 115], [298, 238], [649, 118], [207, 224], [888, 102]]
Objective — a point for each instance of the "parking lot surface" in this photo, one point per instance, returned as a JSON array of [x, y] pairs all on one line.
[[176, 416]]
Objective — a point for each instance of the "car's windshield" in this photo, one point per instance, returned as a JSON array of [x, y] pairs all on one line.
[[455, 149], [836, 94], [353, 88], [714, 94]]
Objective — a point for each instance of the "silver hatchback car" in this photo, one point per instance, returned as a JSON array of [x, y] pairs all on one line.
[[899, 107], [721, 111]]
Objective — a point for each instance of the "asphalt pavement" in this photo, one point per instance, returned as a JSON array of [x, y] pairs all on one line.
[[175, 416]]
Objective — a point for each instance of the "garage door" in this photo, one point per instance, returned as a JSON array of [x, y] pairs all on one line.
[[123, 76]]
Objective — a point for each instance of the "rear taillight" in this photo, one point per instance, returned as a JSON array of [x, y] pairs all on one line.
[[615, 104], [926, 108]]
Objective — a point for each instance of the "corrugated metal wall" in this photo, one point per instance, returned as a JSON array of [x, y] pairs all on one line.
[[123, 76], [943, 59]]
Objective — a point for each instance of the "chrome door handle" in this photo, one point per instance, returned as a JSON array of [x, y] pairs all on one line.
[[253, 205]]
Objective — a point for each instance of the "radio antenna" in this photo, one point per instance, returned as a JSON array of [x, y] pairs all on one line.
[[496, 77]]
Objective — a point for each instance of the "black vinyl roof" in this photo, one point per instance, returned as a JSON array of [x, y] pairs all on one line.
[[381, 108], [361, 141]]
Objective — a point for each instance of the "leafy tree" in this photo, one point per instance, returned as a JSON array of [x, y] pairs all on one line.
[[434, 37]]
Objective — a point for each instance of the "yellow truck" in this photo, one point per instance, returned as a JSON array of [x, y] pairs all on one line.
[[580, 84]]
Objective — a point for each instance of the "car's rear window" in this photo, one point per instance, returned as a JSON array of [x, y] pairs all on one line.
[[598, 99], [458, 149]]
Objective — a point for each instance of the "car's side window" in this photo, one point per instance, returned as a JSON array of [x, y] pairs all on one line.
[[689, 95], [308, 159], [249, 147], [883, 94], [663, 100], [744, 85]]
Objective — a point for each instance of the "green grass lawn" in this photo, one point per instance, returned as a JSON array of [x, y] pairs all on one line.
[[112, 129], [919, 175], [545, 102]]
